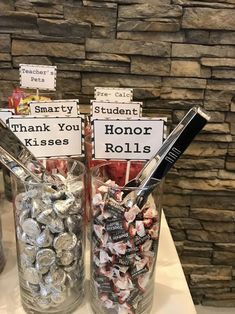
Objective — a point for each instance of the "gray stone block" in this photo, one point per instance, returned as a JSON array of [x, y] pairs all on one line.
[[5, 43]]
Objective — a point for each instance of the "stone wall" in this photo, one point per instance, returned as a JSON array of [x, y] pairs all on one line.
[[175, 54]]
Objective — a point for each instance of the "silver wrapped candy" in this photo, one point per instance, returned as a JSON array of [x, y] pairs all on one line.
[[45, 238], [31, 228], [50, 231], [32, 276], [46, 257], [65, 241]]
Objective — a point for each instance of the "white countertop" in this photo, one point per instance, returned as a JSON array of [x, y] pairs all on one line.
[[171, 290]]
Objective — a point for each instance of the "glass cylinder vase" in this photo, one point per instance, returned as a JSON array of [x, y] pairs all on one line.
[[2, 256], [50, 239], [124, 243]]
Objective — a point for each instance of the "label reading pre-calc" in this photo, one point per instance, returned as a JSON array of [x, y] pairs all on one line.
[[55, 108], [113, 94], [38, 76], [132, 139], [49, 137]]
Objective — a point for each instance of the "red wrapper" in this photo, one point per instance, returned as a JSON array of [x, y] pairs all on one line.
[[15, 98]]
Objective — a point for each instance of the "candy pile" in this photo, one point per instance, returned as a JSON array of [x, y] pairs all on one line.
[[117, 170], [124, 248], [50, 245], [19, 101]]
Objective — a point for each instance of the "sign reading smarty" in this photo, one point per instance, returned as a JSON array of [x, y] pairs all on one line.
[[49, 137], [136, 139], [38, 76], [55, 108]]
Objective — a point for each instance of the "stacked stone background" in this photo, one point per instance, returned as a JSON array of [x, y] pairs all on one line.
[[175, 54]]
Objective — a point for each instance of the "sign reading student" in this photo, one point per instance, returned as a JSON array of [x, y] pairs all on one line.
[[136, 139], [38, 76], [113, 94], [49, 137], [114, 110], [58, 108]]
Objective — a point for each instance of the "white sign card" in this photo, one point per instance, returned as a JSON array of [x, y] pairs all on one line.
[[55, 108], [136, 139], [112, 110], [49, 137], [6, 114], [38, 76], [113, 94]]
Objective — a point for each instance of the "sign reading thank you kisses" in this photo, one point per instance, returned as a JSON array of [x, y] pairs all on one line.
[[49, 137]]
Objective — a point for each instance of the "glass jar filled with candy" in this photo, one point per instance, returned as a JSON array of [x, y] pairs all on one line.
[[124, 241], [50, 239], [2, 256]]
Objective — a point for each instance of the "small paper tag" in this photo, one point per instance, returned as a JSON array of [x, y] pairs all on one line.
[[38, 76], [55, 108], [49, 137], [113, 94], [6, 114], [112, 110], [136, 139]]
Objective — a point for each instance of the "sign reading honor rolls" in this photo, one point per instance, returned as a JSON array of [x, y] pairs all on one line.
[[136, 139], [113, 94], [49, 137], [115, 110], [38, 76], [58, 108]]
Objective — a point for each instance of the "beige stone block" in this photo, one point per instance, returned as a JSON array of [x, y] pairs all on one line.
[[189, 82], [209, 214], [165, 25], [180, 93], [224, 258], [128, 47], [198, 51], [165, 36], [218, 62], [208, 18], [184, 223], [150, 65], [185, 68], [210, 236], [223, 73], [205, 150], [149, 10], [217, 128], [53, 49], [119, 80], [175, 211]]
